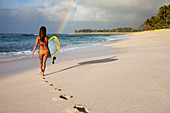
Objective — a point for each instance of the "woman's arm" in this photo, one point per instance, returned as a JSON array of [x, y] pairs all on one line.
[[48, 38], [35, 47]]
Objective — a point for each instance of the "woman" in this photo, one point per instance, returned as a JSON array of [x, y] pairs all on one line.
[[42, 40]]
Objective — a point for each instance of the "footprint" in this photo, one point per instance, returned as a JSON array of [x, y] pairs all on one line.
[[52, 84], [65, 97], [58, 89], [62, 98], [44, 77], [81, 108], [46, 81]]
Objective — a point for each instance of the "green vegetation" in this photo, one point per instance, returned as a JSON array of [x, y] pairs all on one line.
[[125, 29], [161, 21]]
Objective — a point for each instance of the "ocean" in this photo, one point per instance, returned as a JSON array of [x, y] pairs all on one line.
[[20, 46]]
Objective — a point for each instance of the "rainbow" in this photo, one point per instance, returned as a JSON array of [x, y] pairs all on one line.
[[67, 17]]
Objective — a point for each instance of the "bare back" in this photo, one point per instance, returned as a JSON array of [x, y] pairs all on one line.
[[43, 45]]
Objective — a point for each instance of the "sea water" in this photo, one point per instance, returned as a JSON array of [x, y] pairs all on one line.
[[19, 46]]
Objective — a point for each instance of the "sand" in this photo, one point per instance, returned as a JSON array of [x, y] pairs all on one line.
[[135, 78]]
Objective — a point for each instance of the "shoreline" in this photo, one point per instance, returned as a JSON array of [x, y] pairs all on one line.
[[129, 76], [107, 32], [28, 63], [119, 32], [96, 40]]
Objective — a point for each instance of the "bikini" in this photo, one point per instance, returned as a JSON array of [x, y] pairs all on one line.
[[43, 51], [43, 44]]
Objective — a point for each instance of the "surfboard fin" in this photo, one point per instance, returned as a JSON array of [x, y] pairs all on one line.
[[54, 58]]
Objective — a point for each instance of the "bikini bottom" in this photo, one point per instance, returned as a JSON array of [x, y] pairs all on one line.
[[44, 51]]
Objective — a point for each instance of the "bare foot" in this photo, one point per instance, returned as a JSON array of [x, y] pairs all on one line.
[[40, 73]]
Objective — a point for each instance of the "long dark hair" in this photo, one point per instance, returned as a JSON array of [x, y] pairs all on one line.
[[42, 33]]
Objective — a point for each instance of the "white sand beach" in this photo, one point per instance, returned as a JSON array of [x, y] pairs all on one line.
[[134, 78]]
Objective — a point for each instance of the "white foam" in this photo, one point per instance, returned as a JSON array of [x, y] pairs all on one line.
[[11, 59], [10, 56], [80, 46], [16, 53], [19, 53], [104, 41], [118, 37]]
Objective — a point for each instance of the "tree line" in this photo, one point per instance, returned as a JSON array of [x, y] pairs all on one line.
[[162, 20], [125, 29]]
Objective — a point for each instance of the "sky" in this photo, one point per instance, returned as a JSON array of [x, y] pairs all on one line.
[[27, 16]]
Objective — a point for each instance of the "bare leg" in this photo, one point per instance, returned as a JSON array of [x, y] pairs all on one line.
[[44, 62], [41, 63]]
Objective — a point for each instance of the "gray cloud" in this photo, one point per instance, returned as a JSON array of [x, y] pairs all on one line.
[[129, 8], [97, 14]]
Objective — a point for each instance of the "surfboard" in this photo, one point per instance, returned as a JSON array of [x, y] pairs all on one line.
[[54, 46]]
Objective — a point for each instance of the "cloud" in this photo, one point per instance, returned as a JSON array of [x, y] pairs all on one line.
[[88, 14], [89, 10], [52, 11], [116, 9], [107, 13]]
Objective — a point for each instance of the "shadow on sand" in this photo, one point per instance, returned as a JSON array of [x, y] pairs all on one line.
[[110, 59]]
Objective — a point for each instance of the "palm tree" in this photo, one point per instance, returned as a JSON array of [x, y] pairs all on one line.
[[163, 14], [147, 22], [168, 16]]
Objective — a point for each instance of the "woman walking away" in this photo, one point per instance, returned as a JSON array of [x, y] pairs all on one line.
[[42, 40]]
